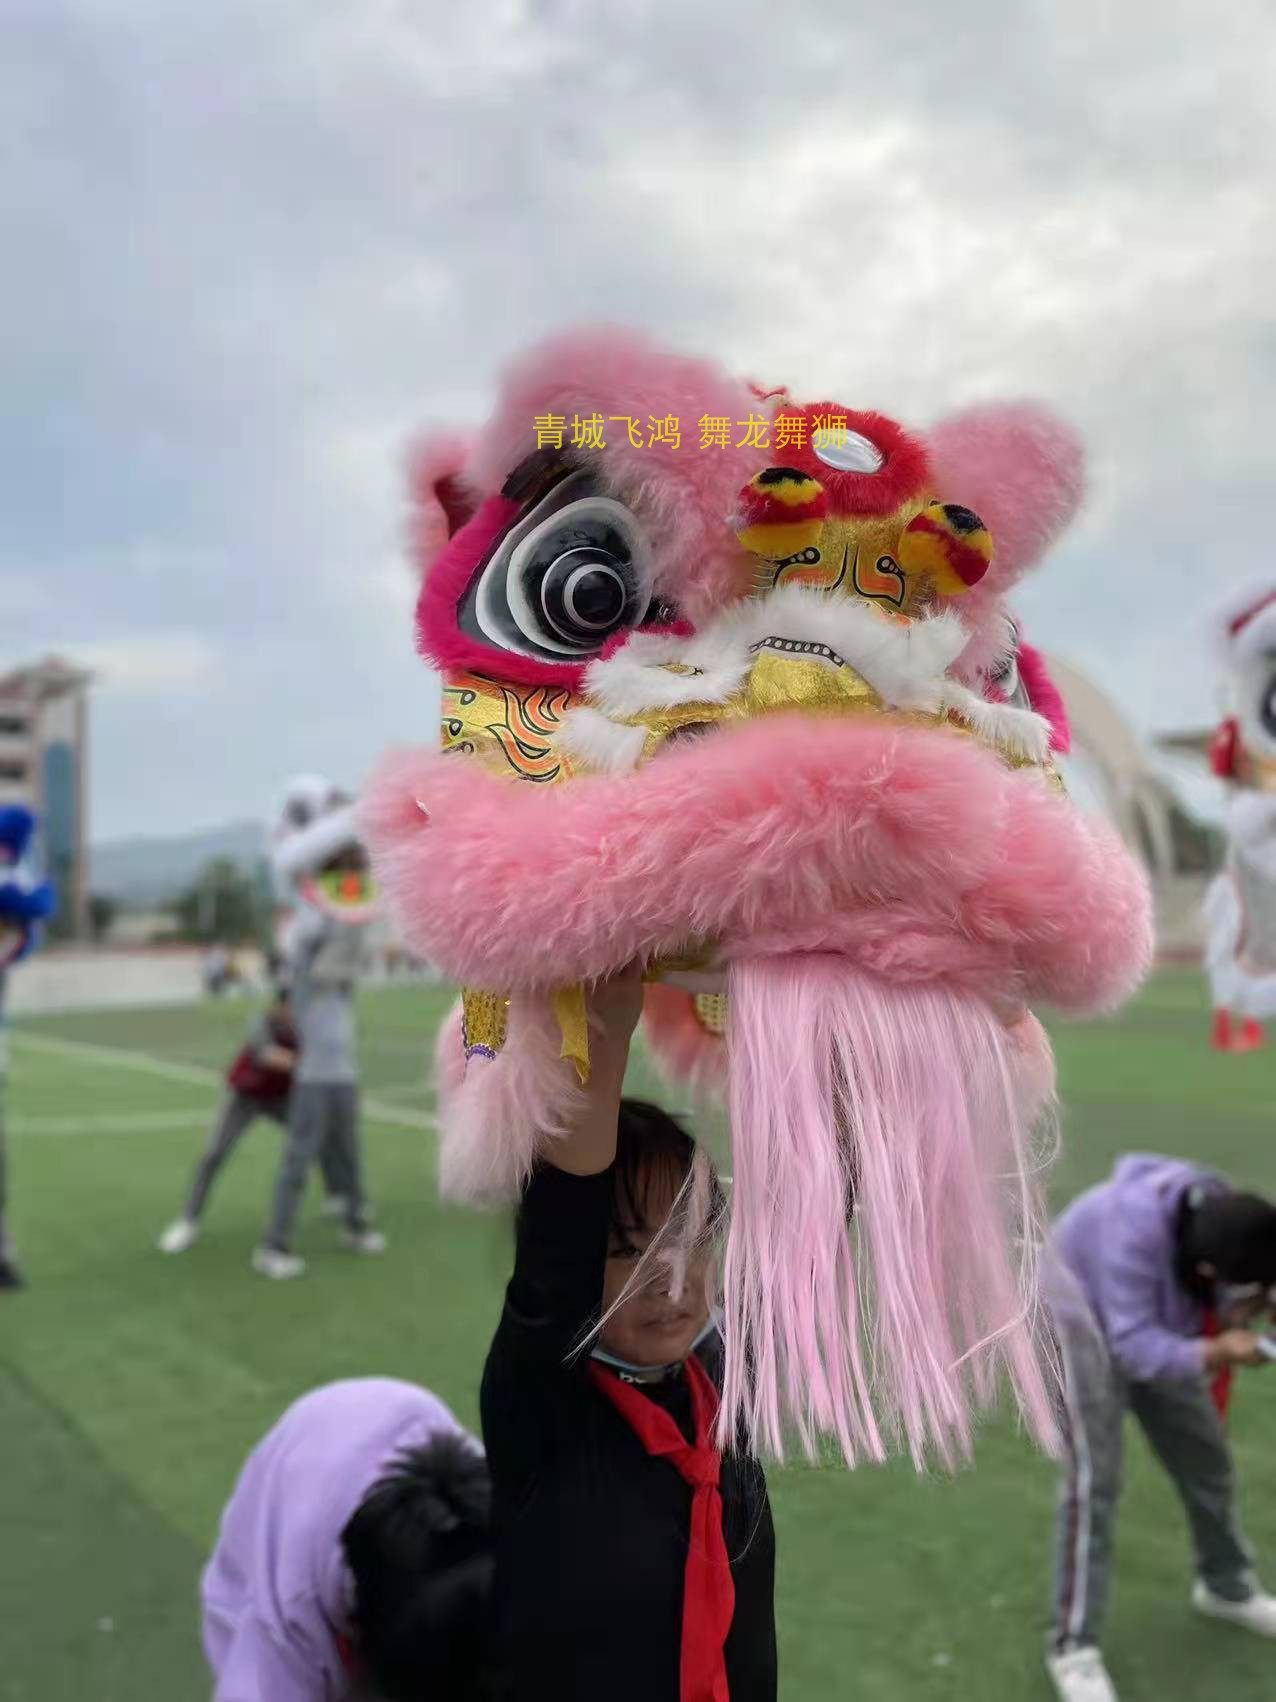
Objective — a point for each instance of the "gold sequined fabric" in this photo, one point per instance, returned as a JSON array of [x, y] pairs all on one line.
[[485, 1022], [711, 1011], [513, 729]]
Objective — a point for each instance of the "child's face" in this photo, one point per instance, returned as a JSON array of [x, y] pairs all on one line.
[[659, 1321]]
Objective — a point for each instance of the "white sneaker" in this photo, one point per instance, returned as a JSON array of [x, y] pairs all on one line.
[[182, 1233], [270, 1262], [364, 1241], [1257, 1613], [1080, 1676]]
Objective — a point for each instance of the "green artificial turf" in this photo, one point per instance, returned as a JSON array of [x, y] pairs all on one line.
[[132, 1385]]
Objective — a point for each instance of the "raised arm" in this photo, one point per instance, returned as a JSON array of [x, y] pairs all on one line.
[[589, 1142], [533, 1372]]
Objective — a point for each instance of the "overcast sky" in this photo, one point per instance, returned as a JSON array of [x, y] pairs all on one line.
[[249, 247]]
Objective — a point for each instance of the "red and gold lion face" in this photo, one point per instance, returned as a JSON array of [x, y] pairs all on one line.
[[747, 713]]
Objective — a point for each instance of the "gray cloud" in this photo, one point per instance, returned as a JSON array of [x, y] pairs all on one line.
[[251, 248]]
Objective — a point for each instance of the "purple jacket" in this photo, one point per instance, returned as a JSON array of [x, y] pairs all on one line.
[[1118, 1242], [276, 1592]]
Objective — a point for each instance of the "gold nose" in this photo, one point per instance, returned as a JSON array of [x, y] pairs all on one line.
[[792, 674], [784, 674]]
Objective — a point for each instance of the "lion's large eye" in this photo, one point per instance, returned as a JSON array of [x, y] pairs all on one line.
[[572, 573], [574, 578]]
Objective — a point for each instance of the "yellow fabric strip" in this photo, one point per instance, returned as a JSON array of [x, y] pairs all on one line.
[[573, 1026]]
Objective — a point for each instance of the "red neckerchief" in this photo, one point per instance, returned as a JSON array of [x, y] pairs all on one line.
[[1221, 1384], [346, 1655], [708, 1597]]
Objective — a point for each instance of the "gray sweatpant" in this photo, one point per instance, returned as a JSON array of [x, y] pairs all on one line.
[[323, 1122], [1184, 1432], [239, 1111]]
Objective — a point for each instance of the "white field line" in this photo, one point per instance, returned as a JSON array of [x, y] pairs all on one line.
[[140, 1061], [145, 1122], [377, 1110]]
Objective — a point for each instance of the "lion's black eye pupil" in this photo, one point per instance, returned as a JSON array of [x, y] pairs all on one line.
[[587, 589], [594, 597]]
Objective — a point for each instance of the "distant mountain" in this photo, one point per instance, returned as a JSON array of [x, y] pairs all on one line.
[[152, 871]]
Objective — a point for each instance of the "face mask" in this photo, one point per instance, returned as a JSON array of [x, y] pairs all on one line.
[[653, 1373]]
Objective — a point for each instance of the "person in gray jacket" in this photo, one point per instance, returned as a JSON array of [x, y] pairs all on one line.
[[317, 855], [328, 958]]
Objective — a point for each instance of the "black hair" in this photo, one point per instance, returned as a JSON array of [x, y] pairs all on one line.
[[653, 1150], [419, 1548], [1233, 1232]]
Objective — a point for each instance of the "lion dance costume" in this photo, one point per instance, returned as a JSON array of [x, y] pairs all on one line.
[[1240, 907], [318, 860], [751, 713]]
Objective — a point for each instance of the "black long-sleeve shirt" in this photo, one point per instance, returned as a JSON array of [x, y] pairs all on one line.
[[591, 1530]]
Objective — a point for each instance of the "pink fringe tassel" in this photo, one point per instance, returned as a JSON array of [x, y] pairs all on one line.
[[899, 1105]]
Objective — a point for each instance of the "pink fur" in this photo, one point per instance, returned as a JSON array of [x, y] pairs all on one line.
[[850, 1096], [684, 1050], [449, 1057], [682, 495], [441, 503], [1045, 696], [1023, 472], [915, 854], [1032, 1062], [500, 1113]]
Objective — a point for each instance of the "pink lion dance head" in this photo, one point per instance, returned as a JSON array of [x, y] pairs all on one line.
[[730, 687]]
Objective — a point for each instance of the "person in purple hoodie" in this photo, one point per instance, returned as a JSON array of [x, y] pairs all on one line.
[[1156, 1270], [354, 1558]]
